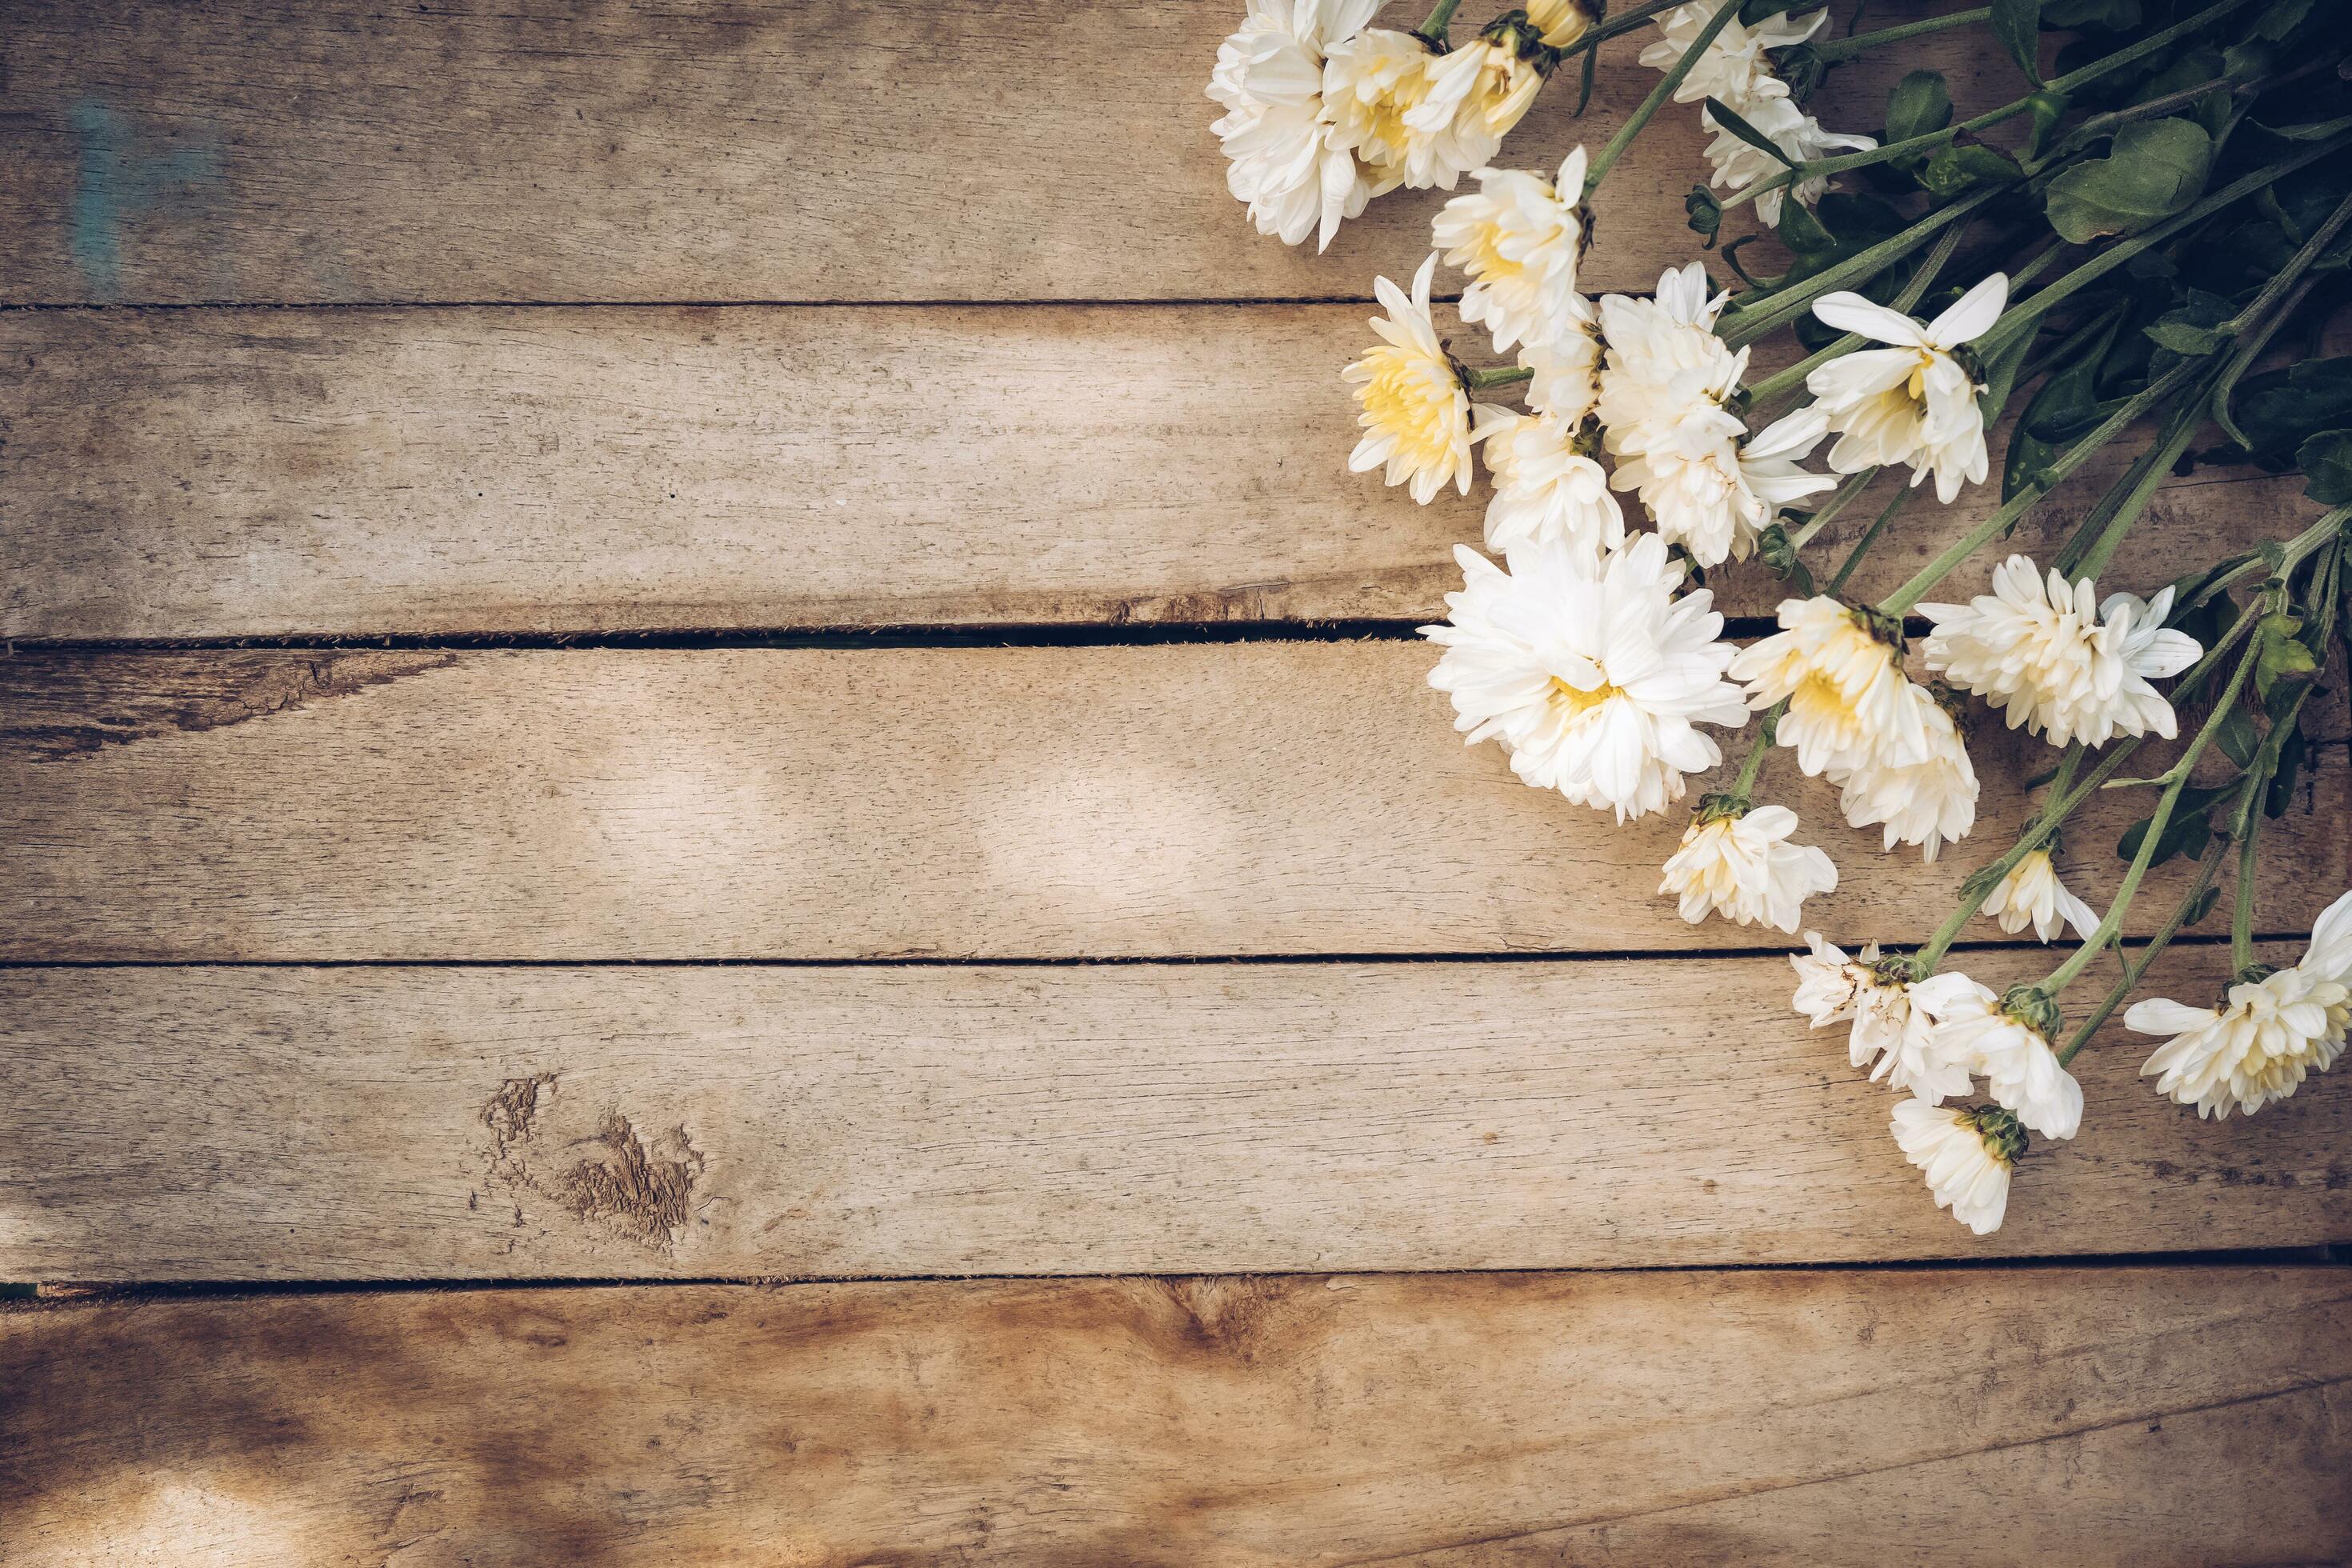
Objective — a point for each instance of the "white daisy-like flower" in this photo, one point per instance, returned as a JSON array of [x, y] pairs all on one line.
[[1889, 1037], [2056, 661], [1987, 1034], [2032, 894], [1666, 365], [1477, 93], [1739, 865], [2273, 1029], [1546, 487], [1967, 1155], [1734, 68], [1737, 165], [1911, 403], [1371, 81], [1712, 490], [1849, 704], [1518, 236], [1590, 670], [1416, 417], [1277, 141], [1929, 803], [1562, 23], [1567, 366]]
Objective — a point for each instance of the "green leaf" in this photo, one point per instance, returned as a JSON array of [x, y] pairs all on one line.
[[2281, 654], [2112, 14], [2048, 109], [2280, 19], [2184, 833], [1584, 82], [2293, 753], [2326, 460], [2154, 169], [1800, 230], [2193, 329], [2200, 906], [1919, 106], [2001, 377], [2237, 738], [2018, 25], [2281, 409], [1726, 119], [1706, 213], [1956, 169]]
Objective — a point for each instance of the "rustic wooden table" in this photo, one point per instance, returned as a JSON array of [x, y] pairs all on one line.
[[615, 606]]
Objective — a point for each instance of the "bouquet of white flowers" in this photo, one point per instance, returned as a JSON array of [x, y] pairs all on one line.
[[2175, 206]]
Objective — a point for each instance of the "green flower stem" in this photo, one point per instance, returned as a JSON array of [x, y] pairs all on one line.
[[2093, 543], [1968, 545], [1752, 767], [2058, 979], [2100, 125], [1830, 508], [1922, 279], [2241, 912], [2135, 968], [1440, 17], [2140, 50], [1657, 99], [1853, 557], [1777, 309], [2021, 317], [1846, 48], [1500, 375]]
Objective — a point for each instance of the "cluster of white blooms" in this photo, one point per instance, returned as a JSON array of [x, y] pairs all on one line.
[[1323, 112], [1735, 72], [2274, 1027]]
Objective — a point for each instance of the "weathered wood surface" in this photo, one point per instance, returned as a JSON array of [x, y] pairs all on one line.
[[2127, 1416], [692, 1122], [1262, 798], [545, 150], [263, 473]]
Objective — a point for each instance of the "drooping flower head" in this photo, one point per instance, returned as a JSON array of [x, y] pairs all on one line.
[[2006, 1039], [1278, 140], [2273, 1029], [1713, 488], [1889, 1037], [1736, 164], [1477, 92], [2056, 661], [2032, 894], [1416, 415], [1590, 669], [1929, 803], [1519, 238], [1666, 368], [1734, 68], [1965, 1155], [1915, 402], [1849, 704], [1737, 862], [1567, 367], [1548, 485]]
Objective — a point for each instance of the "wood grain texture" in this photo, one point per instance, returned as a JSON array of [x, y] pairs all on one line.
[[543, 149], [693, 1121], [247, 473], [2136, 1416], [1259, 798]]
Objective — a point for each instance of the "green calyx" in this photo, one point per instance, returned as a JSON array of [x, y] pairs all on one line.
[[1719, 807], [1882, 627], [2004, 1139], [2033, 1007], [2253, 974], [1899, 969]]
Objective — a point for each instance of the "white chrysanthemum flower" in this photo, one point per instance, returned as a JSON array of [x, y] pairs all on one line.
[[1740, 865], [1562, 23], [1712, 490], [2032, 895], [1929, 803], [1911, 403], [1889, 1037], [1985, 1033], [1519, 238], [2273, 1030], [1370, 82], [1967, 1155], [1849, 704], [1737, 164], [1665, 364], [1276, 139], [2046, 653], [1416, 417], [1477, 93], [1734, 68], [1567, 366], [1590, 670], [1546, 487]]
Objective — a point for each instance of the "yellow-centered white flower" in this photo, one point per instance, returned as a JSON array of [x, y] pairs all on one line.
[[2272, 1031], [1519, 238], [2058, 662], [1911, 403], [1547, 488], [1666, 365], [1590, 670], [1849, 704], [1889, 1037], [1975, 1030], [1966, 1163], [1741, 866], [1736, 164], [1477, 93], [1734, 68], [2032, 895], [1928, 803], [1416, 415], [1277, 143], [1712, 489], [1371, 81]]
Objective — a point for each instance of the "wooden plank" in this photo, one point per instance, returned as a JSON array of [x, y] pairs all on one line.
[[689, 1121], [1261, 798], [2107, 1417], [247, 473], [543, 149]]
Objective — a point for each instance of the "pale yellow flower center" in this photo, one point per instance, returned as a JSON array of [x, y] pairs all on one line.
[[1576, 701], [1411, 397]]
